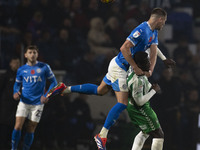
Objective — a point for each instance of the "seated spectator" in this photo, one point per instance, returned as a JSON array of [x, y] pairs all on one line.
[[141, 12], [98, 40], [112, 28], [37, 25]]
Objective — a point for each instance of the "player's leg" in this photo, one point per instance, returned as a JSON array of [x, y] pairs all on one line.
[[158, 139], [35, 114], [21, 114], [117, 77], [16, 134], [139, 140], [114, 113], [29, 136], [112, 116], [88, 88]]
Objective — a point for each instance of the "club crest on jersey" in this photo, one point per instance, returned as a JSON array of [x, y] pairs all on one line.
[[136, 34], [33, 79], [38, 70]]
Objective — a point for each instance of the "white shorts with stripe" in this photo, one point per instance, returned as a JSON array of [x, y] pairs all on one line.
[[32, 112], [116, 77]]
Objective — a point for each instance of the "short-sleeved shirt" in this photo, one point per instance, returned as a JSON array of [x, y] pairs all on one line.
[[142, 37], [33, 80]]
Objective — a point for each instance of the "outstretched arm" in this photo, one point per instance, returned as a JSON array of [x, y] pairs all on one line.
[[168, 62]]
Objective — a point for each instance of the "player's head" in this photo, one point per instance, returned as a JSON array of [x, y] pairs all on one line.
[[31, 53], [14, 63], [159, 16], [142, 60]]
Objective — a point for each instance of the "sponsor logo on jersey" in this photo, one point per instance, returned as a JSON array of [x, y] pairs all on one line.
[[25, 71], [136, 34], [153, 36], [32, 79]]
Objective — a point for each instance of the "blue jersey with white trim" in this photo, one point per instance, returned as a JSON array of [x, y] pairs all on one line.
[[33, 81], [142, 37]]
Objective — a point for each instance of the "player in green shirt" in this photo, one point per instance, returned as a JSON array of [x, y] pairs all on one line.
[[139, 109]]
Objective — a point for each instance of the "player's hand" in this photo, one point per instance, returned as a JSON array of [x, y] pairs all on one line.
[[148, 73], [138, 71], [44, 100], [169, 63], [156, 87], [16, 96]]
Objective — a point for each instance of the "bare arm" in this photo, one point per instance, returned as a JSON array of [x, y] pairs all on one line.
[[153, 57], [125, 49]]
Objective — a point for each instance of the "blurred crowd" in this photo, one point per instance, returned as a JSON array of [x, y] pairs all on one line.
[[81, 36]]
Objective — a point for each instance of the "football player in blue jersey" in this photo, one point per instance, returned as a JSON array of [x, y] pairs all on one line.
[[142, 38], [30, 80]]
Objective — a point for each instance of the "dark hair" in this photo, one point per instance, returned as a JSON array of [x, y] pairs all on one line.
[[159, 12], [32, 47], [142, 60]]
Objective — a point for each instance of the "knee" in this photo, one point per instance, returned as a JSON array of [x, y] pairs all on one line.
[[31, 127], [18, 128], [102, 91]]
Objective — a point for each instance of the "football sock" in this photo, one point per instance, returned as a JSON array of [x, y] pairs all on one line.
[[85, 88], [113, 115], [28, 140], [157, 144], [16, 135], [139, 141], [103, 133]]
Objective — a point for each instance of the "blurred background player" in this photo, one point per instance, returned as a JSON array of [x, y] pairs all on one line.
[[8, 105], [139, 109], [31, 79], [141, 38]]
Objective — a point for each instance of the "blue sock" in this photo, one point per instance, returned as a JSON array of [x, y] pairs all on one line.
[[113, 115], [85, 88], [16, 135], [28, 140]]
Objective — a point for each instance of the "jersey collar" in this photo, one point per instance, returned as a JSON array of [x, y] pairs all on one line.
[[149, 26]]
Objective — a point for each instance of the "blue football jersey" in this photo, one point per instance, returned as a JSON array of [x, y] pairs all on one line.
[[142, 37], [33, 82]]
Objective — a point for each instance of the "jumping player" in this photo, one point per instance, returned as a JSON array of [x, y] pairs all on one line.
[[143, 37]]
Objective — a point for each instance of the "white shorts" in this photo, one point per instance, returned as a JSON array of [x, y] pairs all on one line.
[[32, 112], [116, 77]]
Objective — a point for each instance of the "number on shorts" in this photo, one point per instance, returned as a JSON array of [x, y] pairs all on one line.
[[38, 113]]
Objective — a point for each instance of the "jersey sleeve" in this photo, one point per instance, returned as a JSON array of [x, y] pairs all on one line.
[[18, 81], [135, 36], [51, 77], [139, 93], [155, 40]]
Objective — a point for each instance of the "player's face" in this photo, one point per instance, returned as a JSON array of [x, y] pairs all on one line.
[[14, 64], [31, 55], [161, 23]]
